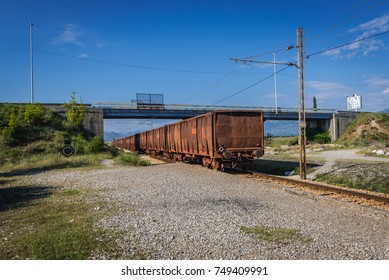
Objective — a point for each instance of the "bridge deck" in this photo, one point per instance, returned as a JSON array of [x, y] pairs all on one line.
[[179, 111]]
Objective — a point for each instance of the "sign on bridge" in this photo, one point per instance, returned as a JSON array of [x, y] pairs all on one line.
[[149, 101]]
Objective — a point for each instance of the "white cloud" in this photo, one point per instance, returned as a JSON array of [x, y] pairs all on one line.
[[327, 86], [70, 35], [377, 82], [272, 95], [376, 25], [101, 45], [328, 94], [364, 47], [369, 28]]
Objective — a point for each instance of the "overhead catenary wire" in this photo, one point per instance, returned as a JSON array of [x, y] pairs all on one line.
[[334, 16], [127, 64], [349, 43], [250, 86], [329, 28], [350, 18], [209, 87]]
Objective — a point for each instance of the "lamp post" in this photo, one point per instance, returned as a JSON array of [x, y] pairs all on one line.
[[31, 66]]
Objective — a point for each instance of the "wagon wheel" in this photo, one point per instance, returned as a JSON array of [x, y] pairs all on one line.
[[205, 162], [215, 165]]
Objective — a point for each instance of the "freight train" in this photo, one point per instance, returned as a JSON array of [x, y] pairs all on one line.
[[217, 139]]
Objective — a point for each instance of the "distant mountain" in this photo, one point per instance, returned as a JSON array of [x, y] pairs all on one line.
[[281, 128], [111, 135], [385, 111]]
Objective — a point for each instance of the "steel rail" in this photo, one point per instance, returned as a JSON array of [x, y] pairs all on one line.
[[325, 187]]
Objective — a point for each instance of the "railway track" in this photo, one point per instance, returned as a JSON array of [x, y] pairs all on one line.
[[359, 196]]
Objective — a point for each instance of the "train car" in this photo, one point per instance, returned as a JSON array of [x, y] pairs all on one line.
[[217, 139], [143, 142], [223, 138]]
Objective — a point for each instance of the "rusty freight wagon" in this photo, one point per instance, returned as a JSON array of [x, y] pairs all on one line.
[[217, 139]]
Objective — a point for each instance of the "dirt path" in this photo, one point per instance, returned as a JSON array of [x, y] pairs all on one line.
[[331, 157]]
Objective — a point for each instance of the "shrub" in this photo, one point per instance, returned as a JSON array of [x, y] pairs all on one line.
[[75, 112], [133, 159], [294, 141], [95, 145], [322, 138], [269, 139]]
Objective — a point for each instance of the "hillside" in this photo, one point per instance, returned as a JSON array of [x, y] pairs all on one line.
[[367, 129], [28, 130]]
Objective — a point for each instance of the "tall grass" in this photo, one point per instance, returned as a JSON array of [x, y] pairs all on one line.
[[59, 226], [54, 161], [132, 159]]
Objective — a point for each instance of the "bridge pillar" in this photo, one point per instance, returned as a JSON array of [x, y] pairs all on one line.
[[339, 123], [94, 122], [319, 124]]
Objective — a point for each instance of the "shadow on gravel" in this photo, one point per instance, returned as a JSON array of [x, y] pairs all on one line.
[[279, 167], [32, 171], [20, 196]]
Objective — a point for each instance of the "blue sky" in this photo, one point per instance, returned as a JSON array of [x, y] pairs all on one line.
[[107, 51]]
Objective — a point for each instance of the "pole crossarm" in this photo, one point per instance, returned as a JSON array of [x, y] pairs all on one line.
[[242, 60]]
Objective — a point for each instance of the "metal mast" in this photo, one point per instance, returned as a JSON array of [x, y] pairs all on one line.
[[301, 107], [31, 66]]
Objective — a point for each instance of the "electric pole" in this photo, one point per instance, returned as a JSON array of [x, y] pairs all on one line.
[[301, 106]]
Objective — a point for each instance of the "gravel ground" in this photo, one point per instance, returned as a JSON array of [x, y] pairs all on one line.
[[182, 211]]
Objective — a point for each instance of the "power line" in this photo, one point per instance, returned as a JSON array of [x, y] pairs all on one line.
[[335, 16], [325, 21], [128, 65], [250, 86], [266, 53], [210, 86], [137, 66], [350, 18], [349, 43], [14, 49]]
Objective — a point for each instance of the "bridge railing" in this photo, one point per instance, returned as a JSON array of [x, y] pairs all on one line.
[[187, 107]]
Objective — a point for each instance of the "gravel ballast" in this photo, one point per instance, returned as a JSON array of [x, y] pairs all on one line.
[[183, 211]]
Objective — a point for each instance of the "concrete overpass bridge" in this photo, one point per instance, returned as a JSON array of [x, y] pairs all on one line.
[[327, 119]]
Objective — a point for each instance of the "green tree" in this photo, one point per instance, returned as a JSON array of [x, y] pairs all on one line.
[[10, 128], [314, 103], [33, 114], [75, 112]]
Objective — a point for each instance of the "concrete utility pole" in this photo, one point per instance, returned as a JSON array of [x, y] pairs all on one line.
[[301, 106], [31, 66]]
